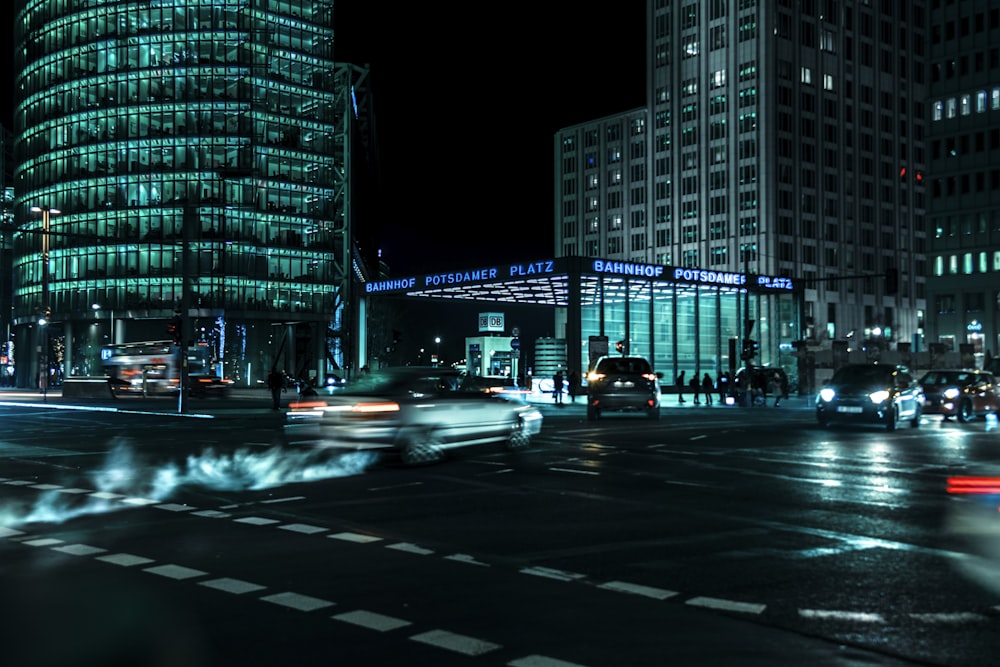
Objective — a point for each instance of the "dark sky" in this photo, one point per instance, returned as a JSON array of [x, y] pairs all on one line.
[[466, 106]]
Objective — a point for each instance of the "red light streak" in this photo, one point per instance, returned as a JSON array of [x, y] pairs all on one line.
[[976, 485]]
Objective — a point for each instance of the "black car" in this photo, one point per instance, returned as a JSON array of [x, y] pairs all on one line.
[[963, 394], [623, 384], [883, 394]]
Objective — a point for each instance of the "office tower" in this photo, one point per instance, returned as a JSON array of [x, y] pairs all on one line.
[[186, 159], [963, 255], [779, 138]]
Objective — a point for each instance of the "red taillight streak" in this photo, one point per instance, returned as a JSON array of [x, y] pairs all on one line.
[[375, 407], [979, 485]]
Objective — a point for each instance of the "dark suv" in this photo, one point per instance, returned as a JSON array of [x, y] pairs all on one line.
[[871, 393], [623, 384]]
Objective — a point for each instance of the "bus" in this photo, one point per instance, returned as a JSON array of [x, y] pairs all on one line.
[[152, 368]]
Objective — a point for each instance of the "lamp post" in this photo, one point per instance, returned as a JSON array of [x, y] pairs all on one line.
[[43, 320], [437, 350]]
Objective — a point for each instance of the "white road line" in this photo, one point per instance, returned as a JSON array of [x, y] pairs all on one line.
[[79, 550], [256, 521], [142, 502], [355, 537], [838, 615], [19, 482], [46, 487], [727, 605], [234, 586], [42, 542], [76, 490], [212, 514], [174, 507], [639, 589], [106, 495], [282, 500], [409, 548], [303, 528], [697, 437], [466, 558], [10, 532], [955, 617], [371, 620], [454, 642], [550, 573], [125, 560], [297, 601], [178, 572], [574, 471], [541, 661]]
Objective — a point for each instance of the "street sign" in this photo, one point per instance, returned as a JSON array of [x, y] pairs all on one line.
[[515, 343]]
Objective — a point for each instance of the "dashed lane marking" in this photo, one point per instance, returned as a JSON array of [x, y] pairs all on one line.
[[178, 572], [956, 617], [466, 558], [256, 521], [297, 601], [303, 528], [727, 605], [234, 586], [551, 573], [638, 589], [140, 502], [575, 471], [76, 490], [79, 550], [46, 487], [837, 615], [125, 560], [371, 620], [453, 642], [355, 537], [212, 514], [10, 532], [174, 507], [410, 548], [541, 661], [43, 542]]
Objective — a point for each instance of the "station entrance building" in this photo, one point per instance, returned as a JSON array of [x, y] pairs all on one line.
[[681, 319]]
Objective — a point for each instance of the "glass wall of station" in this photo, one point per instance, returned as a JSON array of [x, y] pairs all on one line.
[[688, 327]]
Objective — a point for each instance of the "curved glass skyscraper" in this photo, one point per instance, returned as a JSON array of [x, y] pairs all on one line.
[[184, 157]]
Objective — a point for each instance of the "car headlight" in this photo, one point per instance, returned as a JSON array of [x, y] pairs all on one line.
[[826, 394], [880, 396], [952, 392]]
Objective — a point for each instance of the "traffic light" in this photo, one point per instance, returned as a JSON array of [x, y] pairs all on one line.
[[891, 281], [174, 329], [620, 346], [749, 349]]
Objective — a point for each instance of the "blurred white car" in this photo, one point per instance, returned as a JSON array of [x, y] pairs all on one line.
[[420, 412]]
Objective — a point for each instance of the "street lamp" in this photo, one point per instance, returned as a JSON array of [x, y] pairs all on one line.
[[43, 320], [437, 350]]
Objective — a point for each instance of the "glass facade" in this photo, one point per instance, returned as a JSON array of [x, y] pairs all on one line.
[[187, 157]]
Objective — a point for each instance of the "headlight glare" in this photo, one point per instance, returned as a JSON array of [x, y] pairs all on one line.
[[880, 396], [951, 392], [826, 394]]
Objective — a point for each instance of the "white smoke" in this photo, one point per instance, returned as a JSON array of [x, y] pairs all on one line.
[[124, 476]]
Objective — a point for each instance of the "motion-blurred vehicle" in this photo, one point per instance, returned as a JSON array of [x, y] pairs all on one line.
[[623, 384], [963, 394], [885, 394], [419, 412], [203, 385]]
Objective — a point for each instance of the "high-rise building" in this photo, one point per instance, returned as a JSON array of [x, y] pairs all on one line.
[[779, 138], [189, 159], [963, 288]]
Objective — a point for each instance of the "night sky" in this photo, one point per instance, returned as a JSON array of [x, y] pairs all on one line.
[[466, 107]]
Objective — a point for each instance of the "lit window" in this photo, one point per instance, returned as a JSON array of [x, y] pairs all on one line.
[[995, 99], [938, 110], [827, 82], [953, 264], [966, 105], [807, 75], [981, 101], [952, 107], [984, 262], [967, 263], [996, 260], [939, 265]]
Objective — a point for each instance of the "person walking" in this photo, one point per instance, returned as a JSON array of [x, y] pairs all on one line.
[[695, 387], [723, 386], [780, 387], [680, 387], [276, 383], [707, 388], [557, 387], [574, 385]]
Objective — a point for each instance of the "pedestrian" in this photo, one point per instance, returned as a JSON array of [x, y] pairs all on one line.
[[781, 387], [695, 387], [276, 383], [680, 387], [557, 387], [723, 386], [574, 385], [708, 388]]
